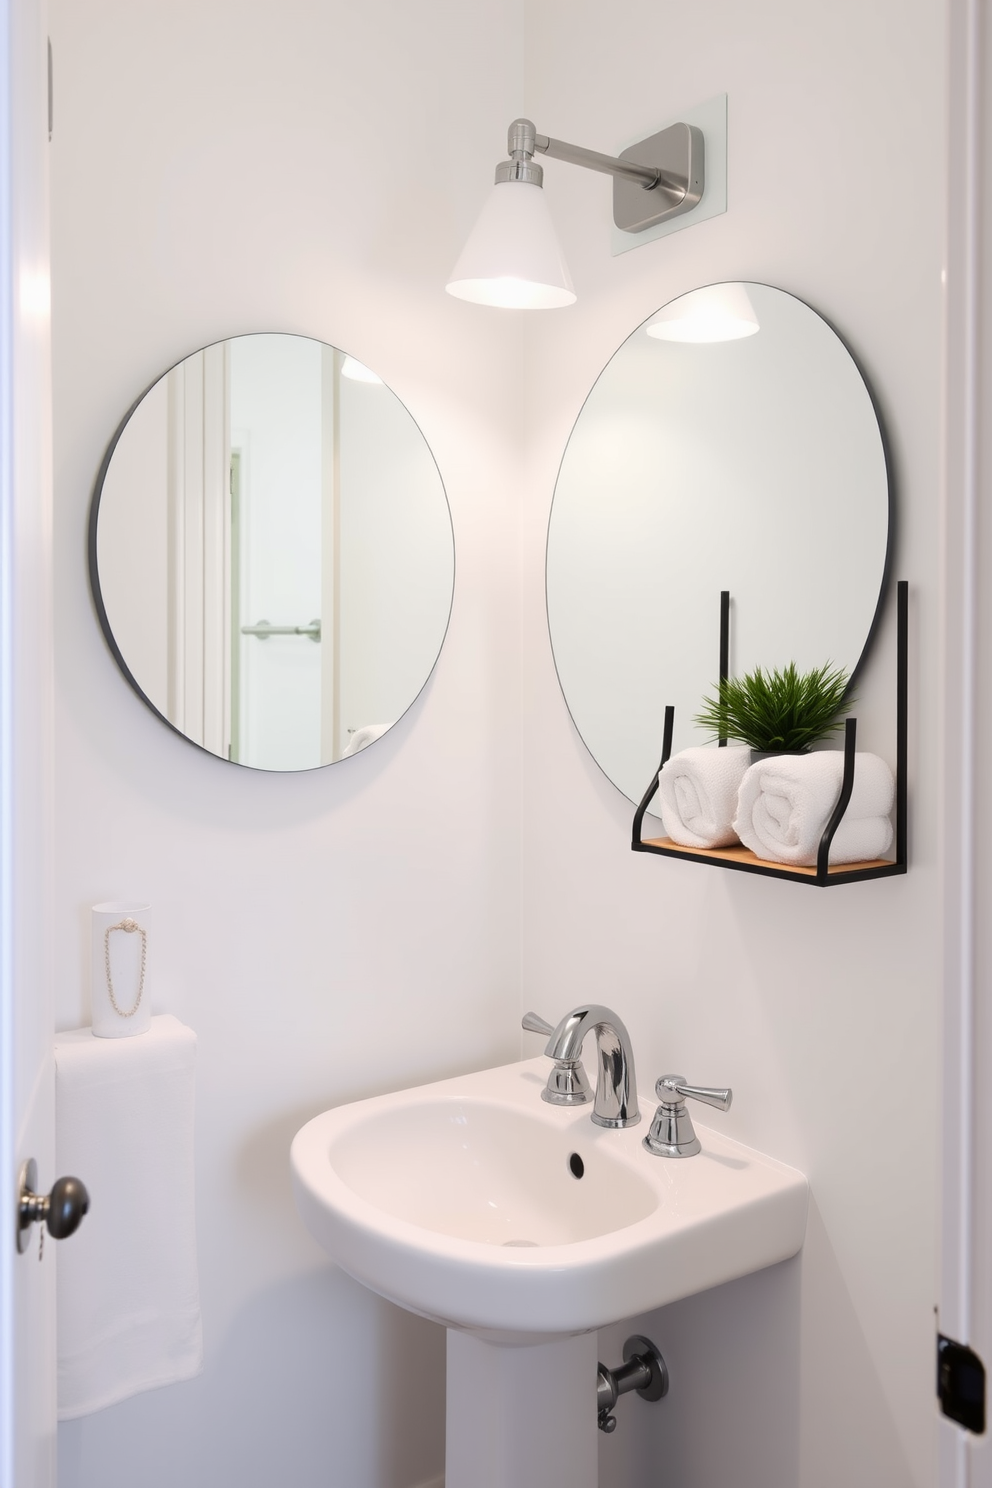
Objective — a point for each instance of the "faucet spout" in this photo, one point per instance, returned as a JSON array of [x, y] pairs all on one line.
[[616, 1088]]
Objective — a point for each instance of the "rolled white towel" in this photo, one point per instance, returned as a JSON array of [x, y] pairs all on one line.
[[785, 804], [698, 789]]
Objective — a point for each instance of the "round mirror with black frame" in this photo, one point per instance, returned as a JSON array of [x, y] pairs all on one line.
[[271, 552], [730, 444]]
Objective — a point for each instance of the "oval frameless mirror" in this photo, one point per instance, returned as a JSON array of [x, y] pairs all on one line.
[[730, 444], [271, 552]]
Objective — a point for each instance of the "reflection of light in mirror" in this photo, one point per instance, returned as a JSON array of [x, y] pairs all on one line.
[[718, 312], [358, 372]]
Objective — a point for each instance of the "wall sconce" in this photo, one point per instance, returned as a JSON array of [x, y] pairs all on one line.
[[512, 258]]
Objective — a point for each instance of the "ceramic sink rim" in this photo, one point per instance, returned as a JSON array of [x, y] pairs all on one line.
[[727, 1212]]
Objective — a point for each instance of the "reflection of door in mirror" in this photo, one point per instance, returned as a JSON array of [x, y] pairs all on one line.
[[281, 440], [198, 548], [272, 552], [167, 557], [324, 463], [242, 438]]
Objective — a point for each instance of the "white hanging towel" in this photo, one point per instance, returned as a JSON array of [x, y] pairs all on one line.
[[785, 804], [128, 1294], [698, 791]]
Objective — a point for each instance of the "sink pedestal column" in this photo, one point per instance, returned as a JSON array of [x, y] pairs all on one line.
[[521, 1416]]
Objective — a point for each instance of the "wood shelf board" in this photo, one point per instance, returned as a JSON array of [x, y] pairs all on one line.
[[744, 857]]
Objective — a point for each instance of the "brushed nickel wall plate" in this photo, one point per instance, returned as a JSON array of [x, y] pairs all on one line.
[[678, 154]]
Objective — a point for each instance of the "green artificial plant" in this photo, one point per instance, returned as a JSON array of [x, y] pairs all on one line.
[[785, 710]]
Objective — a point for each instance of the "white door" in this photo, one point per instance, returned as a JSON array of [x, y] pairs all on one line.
[[27, 1326], [964, 1315]]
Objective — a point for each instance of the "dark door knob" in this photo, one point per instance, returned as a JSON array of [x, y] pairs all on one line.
[[68, 1202], [61, 1211]]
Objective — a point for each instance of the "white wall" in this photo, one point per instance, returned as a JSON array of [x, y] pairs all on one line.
[[316, 962], [222, 168], [821, 1009]]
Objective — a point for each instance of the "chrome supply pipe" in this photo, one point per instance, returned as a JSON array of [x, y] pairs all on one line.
[[643, 1370]]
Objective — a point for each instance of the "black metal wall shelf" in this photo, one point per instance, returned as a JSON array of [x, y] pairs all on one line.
[[823, 876]]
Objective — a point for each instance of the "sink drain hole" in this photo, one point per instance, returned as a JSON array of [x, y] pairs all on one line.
[[576, 1166], [519, 1242]]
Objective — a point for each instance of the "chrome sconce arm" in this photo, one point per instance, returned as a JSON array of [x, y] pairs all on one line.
[[669, 163]]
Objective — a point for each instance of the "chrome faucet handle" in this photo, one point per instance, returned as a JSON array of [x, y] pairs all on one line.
[[534, 1023], [568, 1083], [672, 1133], [670, 1089]]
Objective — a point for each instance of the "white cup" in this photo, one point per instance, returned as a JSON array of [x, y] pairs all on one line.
[[120, 965]]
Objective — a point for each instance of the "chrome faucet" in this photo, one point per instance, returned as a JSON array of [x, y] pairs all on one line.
[[616, 1088]]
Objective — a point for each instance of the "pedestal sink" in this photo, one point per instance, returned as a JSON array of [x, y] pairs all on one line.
[[522, 1227]]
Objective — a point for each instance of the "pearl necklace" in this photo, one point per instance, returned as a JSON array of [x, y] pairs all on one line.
[[130, 926]]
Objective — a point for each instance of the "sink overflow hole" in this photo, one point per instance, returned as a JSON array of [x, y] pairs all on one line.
[[576, 1166]]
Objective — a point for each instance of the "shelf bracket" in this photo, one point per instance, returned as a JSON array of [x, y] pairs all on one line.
[[823, 877]]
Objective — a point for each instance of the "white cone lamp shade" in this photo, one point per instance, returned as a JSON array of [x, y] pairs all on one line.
[[512, 258], [719, 312]]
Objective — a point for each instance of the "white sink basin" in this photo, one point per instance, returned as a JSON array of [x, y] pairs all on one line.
[[457, 1200]]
